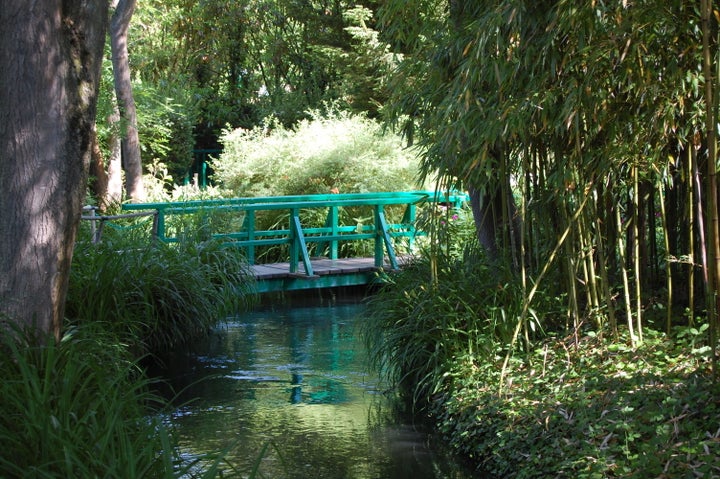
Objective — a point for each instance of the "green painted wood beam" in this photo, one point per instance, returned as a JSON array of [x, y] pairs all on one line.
[[299, 282]]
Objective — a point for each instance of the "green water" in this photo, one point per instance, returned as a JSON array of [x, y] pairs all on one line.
[[290, 390]]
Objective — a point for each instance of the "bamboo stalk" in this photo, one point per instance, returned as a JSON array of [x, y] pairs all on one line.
[[713, 235], [589, 266], [636, 253], [699, 193], [523, 237], [691, 233], [583, 249], [533, 290], [623, 270], [594, 282], [668, 269], [602, 265]]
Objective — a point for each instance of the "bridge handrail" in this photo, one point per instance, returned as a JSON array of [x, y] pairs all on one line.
[[295, 235], [352, 198]]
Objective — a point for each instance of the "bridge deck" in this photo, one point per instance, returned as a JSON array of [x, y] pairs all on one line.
[[328, 273]]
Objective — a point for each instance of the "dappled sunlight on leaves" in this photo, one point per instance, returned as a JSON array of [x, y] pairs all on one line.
[[599, 410]]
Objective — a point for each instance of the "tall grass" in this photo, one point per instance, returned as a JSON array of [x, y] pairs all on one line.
[[156, 296], [416, 325], [83, 408], [451, 302], [78, 409]]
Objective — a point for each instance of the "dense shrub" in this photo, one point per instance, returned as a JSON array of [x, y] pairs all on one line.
[[438, 308], [583, 406], [341, 152]]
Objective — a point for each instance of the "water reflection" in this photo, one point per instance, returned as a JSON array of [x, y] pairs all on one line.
[[291, 388]]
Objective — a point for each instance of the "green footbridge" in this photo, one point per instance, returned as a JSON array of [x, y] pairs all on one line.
[[310, 241]]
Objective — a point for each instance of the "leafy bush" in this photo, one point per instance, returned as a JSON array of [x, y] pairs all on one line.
[[576, 407], [341, 151], [153, 295]]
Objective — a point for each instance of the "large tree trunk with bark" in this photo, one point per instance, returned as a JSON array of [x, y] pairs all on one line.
[[49, 71], [487, 213], [119, 24]]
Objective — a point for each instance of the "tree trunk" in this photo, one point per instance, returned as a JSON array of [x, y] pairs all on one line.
[[484, 214], [114, 167], [98, 175], [119, 24], [49, 73], [489, 214]]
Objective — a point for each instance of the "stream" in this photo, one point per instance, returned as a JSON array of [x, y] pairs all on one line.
[[288, 394]]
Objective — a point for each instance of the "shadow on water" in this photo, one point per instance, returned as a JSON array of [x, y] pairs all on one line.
[[297, 379]]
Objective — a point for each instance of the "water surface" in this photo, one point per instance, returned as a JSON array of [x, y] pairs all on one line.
[[289, 391]]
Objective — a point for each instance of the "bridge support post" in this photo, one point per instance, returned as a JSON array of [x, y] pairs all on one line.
[[382, 237], [249, 226], [298, 245]]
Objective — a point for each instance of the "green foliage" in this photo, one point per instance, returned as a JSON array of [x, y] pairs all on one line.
[[339, 150], [243, 62], [450, 231], [370, 63], [578, 406], [83, 408], [587, 409], [566, 101], [78, 409], [166, 115], [439, 308], [166, 118], [521, 76], [152, 295]]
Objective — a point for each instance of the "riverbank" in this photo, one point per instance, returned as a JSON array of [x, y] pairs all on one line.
[[586, 405]]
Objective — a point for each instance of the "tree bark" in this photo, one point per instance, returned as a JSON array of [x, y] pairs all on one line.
[[119, 24], [49, 71], [98, 175], [486, 214], [114, 167], [494, 213]]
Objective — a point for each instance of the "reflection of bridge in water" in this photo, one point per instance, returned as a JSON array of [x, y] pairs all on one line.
[[325, 240]]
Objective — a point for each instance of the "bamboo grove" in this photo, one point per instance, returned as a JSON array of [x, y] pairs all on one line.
[[596, 123]]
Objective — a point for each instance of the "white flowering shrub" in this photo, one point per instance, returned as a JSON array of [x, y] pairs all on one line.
[[339, 152]]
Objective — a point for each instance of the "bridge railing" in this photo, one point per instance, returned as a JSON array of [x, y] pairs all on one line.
[[297, 236]]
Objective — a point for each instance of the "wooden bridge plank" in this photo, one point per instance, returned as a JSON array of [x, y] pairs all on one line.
[[329, 273], [321, 267]]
